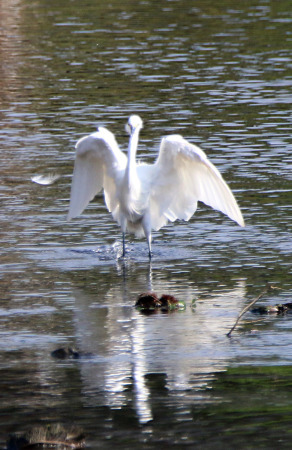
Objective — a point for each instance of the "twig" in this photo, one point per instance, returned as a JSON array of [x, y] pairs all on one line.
[[264, 291]]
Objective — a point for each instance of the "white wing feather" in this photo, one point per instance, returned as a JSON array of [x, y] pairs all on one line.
[[182, 176], [98, 163]]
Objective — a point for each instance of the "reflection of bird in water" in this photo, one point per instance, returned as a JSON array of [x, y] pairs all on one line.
[[127, 347], [143, 197]]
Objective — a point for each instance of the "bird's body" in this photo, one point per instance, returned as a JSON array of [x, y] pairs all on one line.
[[143, 197]]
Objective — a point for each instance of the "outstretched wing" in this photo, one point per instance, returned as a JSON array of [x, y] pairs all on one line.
[[98, 163], [182, 176]]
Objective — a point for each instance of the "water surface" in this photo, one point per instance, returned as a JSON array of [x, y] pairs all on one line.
[[220, 74]]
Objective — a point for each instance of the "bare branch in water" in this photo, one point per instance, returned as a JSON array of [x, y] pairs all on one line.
[[264, 291]]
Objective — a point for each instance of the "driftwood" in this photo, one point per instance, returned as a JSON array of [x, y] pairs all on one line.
[[267, 288]]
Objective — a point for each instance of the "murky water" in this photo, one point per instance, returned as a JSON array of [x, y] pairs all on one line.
[[219, 73]]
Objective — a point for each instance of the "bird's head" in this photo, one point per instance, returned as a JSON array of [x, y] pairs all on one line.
[[133, 123]]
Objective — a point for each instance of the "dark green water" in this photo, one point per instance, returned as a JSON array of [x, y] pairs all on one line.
[[219, 73]]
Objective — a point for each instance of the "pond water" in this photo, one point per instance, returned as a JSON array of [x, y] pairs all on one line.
[[220, 74]]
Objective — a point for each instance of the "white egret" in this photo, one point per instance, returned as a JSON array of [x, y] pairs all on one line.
[[143, 197]]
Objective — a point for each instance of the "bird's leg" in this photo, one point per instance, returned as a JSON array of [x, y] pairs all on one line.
[[150, 254], [147, 230], [124, 246], [149, 238]]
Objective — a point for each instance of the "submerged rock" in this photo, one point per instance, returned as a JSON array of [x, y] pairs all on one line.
[[64, 353], [273, 309], [149, 302], [169, 302]]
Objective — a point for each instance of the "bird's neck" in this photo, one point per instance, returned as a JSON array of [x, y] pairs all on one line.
[[131, 171]]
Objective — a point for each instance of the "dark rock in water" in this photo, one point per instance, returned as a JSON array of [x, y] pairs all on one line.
[[264, 310], [169, 302], [273, 309], [64, 353], [288, 306], [148, 301], [45, 437], [17, 441]]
